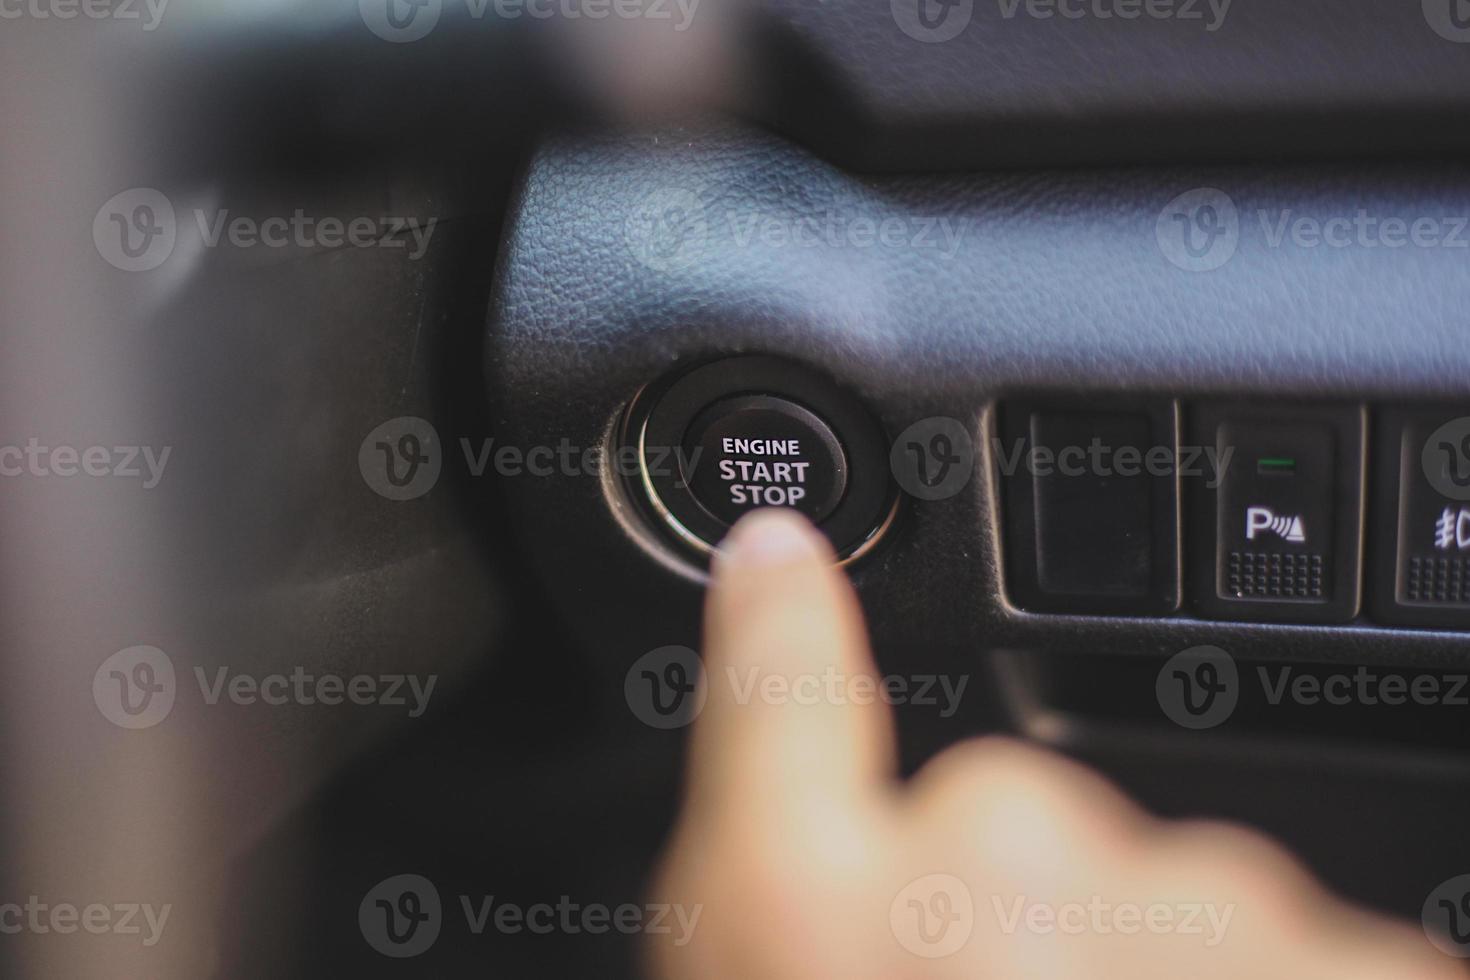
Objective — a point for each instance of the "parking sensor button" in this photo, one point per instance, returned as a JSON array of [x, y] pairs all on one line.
[[761, 451], [1280, 535]]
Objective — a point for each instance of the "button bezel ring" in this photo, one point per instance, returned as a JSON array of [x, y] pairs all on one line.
[[660, 420]]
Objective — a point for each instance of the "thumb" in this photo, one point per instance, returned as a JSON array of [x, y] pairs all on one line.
[[794, 713]]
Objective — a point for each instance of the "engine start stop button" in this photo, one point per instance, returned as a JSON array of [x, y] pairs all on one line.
[[760, 451]]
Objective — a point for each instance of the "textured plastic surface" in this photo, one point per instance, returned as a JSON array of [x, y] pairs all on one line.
[[976, 83], [1048, 282]]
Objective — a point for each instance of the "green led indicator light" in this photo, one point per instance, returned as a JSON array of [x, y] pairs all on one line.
[[1275, 464]]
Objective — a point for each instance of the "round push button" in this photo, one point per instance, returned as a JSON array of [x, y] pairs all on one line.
[[760, 451]]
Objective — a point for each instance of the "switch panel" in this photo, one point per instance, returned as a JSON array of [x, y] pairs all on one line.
[[1278, 537], [1421, 554], [1092, 506]]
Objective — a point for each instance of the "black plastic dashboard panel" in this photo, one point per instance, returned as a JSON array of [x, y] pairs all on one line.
[[927, 84], [631, 259], [986, 286]]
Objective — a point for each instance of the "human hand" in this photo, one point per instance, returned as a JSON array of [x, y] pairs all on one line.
[[808, 859]]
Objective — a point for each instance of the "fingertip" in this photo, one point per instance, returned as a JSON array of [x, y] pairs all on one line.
[[770, 537], [784, 645]]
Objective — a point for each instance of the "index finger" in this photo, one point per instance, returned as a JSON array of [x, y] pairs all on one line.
[[793, 717]]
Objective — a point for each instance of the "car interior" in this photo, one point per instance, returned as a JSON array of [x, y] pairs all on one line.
[[361, 358]]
